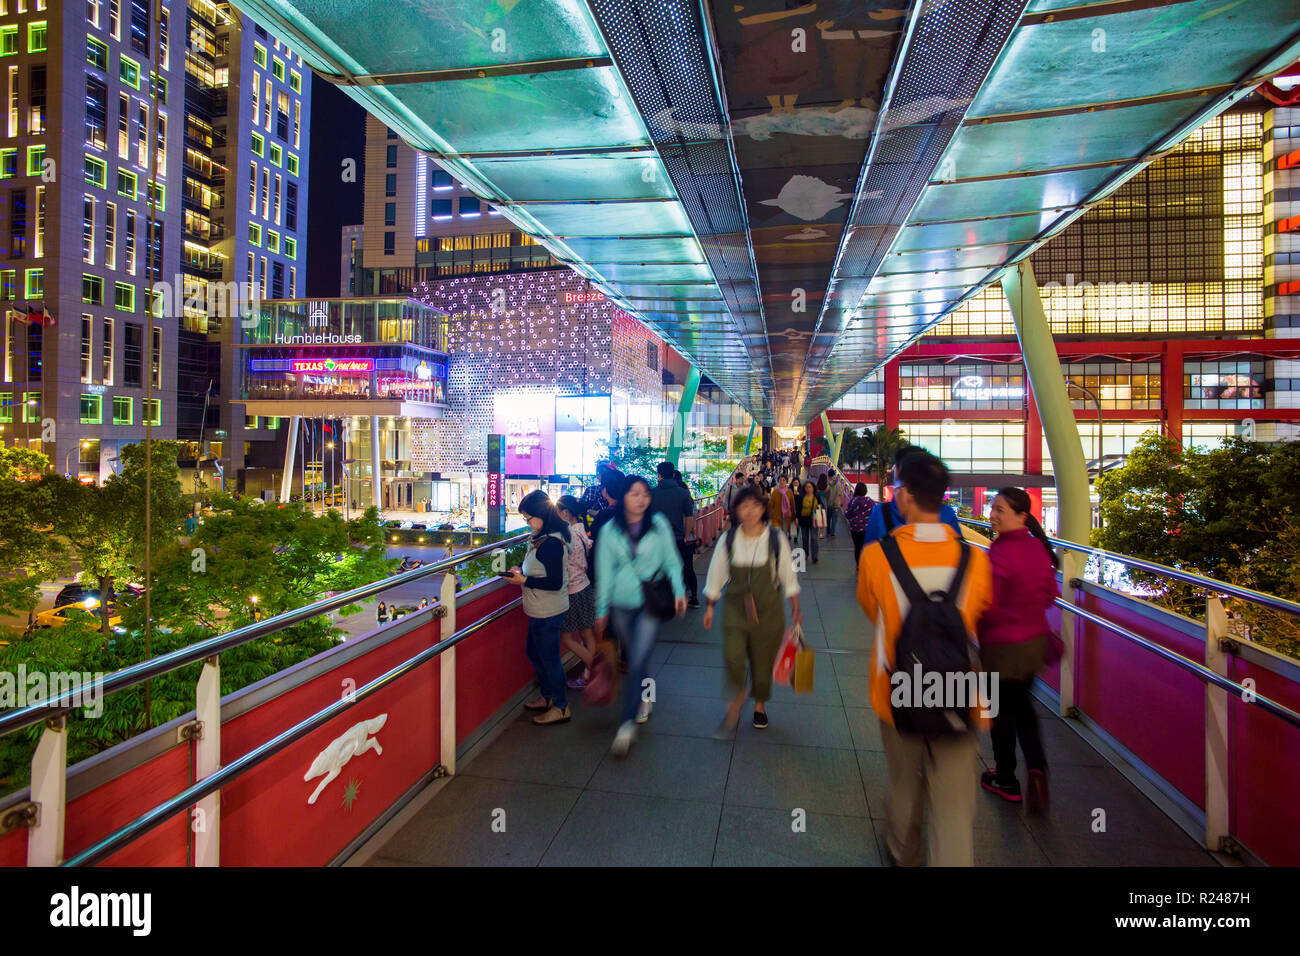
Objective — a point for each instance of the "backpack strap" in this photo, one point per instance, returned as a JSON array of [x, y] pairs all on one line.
[[731, 537], [955, 587], [774, 542], [906, 580]]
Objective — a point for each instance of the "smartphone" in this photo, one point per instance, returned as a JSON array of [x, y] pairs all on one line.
[[505, 574]]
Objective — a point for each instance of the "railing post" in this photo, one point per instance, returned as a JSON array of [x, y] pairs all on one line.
[[1217, 765], [447, 673], [1071, 570], [207, 761], [49, 793]]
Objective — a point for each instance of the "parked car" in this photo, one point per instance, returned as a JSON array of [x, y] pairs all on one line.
[[60, 615]]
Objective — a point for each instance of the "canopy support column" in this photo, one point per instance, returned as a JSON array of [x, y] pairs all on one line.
[[684, 407]]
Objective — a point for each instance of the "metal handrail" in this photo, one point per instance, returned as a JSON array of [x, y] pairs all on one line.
[[1248, 695], [1186, 663], [1187, 577], [192, 654], [222, 777]]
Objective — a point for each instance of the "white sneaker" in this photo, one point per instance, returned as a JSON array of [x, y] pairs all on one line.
[[623, 739], [643, 711]]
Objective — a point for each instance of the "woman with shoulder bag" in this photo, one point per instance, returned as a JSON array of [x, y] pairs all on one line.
[[544, 577], [639, 581], [1013, 637], [805, 507], [753, 563]]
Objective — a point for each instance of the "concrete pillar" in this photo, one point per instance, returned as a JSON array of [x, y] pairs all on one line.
[[374, 461], [290, 450]]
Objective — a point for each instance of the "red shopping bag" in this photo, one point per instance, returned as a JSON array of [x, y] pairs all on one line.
[[783, 668]]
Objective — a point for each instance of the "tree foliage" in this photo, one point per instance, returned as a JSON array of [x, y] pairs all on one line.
[[871, 450], [1231, 513]]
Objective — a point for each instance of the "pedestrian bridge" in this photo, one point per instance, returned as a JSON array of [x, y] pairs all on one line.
[[407, 746]]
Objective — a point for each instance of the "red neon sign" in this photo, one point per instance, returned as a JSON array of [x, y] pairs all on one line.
[[571, 298], [494, 490], [334, 366]]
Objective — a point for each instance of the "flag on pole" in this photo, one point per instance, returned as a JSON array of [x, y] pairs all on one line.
[[33, 317], [17, 315], [47, 319]]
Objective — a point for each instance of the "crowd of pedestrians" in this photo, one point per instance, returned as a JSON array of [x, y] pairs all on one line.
[[619, 562]]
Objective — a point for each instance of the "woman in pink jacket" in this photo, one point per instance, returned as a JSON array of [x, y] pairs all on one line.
[[1013, 641]]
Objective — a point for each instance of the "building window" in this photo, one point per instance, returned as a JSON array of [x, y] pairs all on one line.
[[157, 360], [87, 327], [8, 162], [390, 243], [277, 155], [390, 214], [36, 37], [8, 284], [272, 242], [277, 68], [132, 354], [259, 55], [291, 206], [123, 410], [34, 284], [292, 164], [9, 40], [96, 112], [124, 296], [277, 280], [92, 289], [295, 81], [266, 194], [123, 126], [254, 233], [297, 124], [291, 247], [252, 188], [96, 53], [88, 229], [279, 192], [391, 159], [35, 160], [91, 409], [259, 144], [469, 207], [127, 183], [106, 353], [158, 193], [129, 72], [36, 115], [251, 266], [130, 241], [293, 282], [154, 411], [390, 184], [110, 235], [18, 223], [96, 172]]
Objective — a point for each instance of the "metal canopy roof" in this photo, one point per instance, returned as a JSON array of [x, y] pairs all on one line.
[[790, 195]]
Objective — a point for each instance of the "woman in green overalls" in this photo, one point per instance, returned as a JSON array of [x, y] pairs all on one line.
[[753, 562]]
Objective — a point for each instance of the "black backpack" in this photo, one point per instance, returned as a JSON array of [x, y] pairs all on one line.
[[933, 638]]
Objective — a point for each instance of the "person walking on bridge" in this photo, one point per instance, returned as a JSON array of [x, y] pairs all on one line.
[[753, 562], [637, 561], [888, 516], [857, 514], [780, 506], [932, 757], [1013, 642]]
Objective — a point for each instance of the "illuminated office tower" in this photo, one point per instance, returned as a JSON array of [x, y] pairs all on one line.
[[248, 101], [80, 239]]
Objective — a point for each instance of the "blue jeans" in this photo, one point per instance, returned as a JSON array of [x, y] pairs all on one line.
[[543, 648], [638, 630]]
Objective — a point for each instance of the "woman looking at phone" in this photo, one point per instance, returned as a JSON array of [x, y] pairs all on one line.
[[545, 578]]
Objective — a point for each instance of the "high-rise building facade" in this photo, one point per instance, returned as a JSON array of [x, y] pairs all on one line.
[[421, 224], [89, 217]]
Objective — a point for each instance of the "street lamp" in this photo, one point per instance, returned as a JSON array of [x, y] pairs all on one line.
[[469, 465], [67, 469]]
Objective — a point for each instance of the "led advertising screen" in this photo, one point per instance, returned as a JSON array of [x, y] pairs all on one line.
[[526, 420], [582, 428]]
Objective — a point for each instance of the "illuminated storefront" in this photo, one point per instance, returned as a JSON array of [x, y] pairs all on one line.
[[351, 378]]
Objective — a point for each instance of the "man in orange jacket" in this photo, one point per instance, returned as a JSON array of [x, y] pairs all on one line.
[[941, 768]]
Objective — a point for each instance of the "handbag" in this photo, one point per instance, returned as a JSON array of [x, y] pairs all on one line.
[[602, 682], [783, 666], [657, 594], [804, 659], [819, 518]]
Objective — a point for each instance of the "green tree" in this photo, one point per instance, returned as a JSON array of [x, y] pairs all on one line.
[[30, 553], [22, 463], [105, 525], [1231, 513], [872, 450]]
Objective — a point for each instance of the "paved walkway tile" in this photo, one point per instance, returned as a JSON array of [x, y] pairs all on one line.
[[754, 836], [623, 829], [779, 776]]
